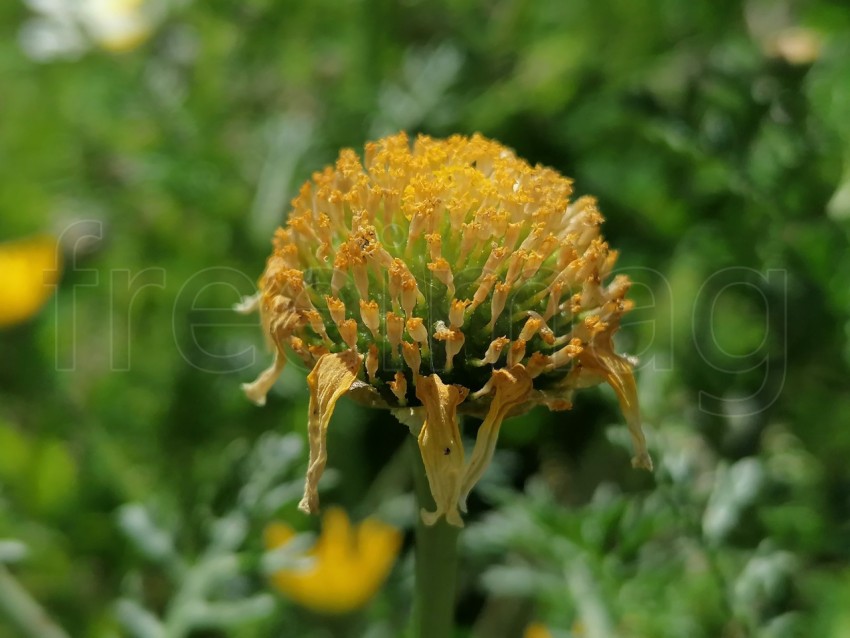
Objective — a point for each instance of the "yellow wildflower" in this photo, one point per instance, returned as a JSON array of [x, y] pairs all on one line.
[[29, 271], [448, 277], [349, 564], [537, 630]]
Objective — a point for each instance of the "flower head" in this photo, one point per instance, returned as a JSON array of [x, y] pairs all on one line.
[[448, 277], [349, 563], [30, 270]]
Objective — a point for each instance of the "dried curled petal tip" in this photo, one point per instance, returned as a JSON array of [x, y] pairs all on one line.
[[257, 390], [642, 461], [617, 372], [248, 304]]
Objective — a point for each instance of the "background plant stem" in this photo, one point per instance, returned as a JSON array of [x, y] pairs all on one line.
[[436, 564], [17, 606]]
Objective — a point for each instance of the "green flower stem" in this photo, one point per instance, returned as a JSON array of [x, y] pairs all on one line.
[[436, 565], [23, 612]]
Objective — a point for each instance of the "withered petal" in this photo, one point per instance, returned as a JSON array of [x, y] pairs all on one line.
[[617, 372], [331, 377], [441, 447], [511, 387], [257, 390]]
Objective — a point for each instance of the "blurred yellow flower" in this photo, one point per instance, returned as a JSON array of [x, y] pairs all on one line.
[[349, 563], [796, 45], [537, 630], [29, 270]]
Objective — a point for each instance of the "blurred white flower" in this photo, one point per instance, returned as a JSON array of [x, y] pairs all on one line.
[[117, 25], [68, 28]]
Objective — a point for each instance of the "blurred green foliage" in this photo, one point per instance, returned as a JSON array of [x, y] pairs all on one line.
[[722, 163]]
